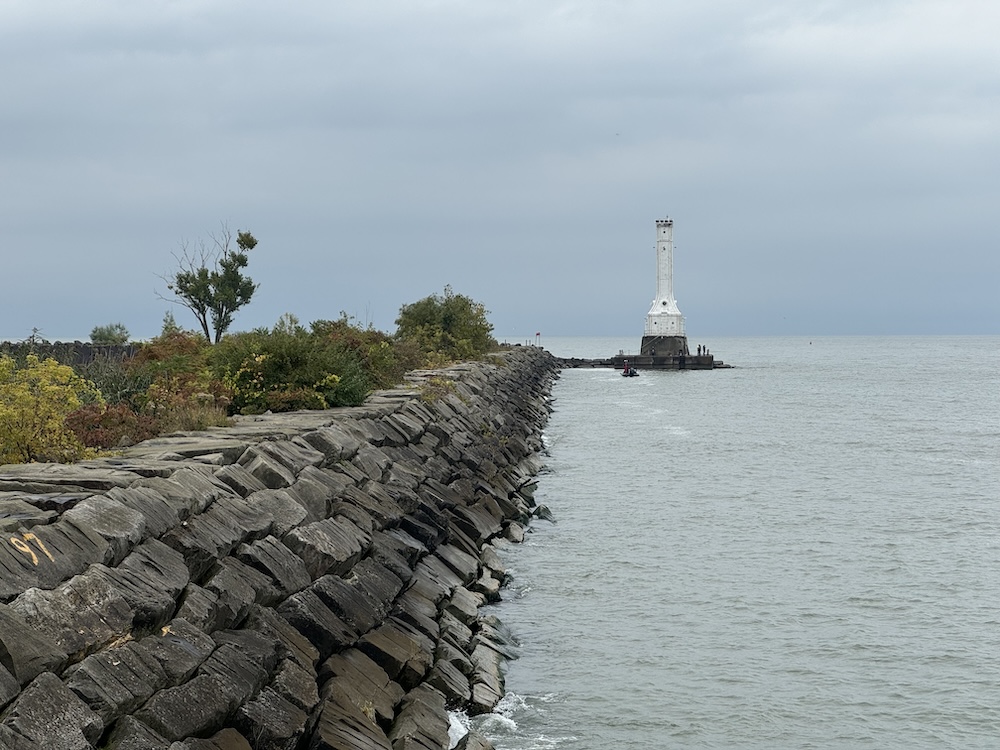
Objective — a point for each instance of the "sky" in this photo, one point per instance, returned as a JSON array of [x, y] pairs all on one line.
[[831, 167]]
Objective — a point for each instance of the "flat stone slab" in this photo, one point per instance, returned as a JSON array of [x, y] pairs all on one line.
[[62, 477], [189, 445], [16, 513]]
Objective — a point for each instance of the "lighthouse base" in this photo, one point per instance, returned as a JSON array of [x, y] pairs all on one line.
[[663, 346]]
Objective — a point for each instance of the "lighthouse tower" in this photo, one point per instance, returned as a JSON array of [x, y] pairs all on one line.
[[664, 333]]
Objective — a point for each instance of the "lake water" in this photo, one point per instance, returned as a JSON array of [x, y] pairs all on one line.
[[799, 552]]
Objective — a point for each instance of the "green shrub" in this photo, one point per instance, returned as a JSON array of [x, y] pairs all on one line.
[[120, 380], [446, 328], [384, 358], [288, 368]]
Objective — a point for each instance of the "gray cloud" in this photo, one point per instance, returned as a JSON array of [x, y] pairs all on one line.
[[830, 169]]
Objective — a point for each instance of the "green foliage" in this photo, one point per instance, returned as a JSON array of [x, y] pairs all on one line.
[[35, 400], [288, 368], [384, 358], [446, 328], [113, 334], [118, 379], [436, 388], [211, 283]]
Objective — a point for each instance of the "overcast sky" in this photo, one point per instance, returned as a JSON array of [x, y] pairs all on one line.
[[832, 167]]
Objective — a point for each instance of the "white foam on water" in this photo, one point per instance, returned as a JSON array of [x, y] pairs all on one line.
[[458, 726]]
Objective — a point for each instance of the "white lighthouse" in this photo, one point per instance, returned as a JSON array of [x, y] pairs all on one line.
[[664, 333]]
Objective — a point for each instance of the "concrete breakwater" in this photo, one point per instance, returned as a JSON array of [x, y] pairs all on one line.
[[300, 581]]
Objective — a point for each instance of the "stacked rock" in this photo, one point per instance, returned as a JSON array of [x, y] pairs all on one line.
[[307, 580]]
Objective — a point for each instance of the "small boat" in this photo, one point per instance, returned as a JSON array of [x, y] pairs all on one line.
[[629, 371]]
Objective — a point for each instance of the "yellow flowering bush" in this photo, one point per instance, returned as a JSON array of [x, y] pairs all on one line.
[[35, 400]]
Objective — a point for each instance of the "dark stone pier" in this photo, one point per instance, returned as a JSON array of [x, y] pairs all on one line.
[[305, 581], [648, 362]]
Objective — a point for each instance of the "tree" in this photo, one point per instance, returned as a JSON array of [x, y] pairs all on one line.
[[113, 333], [211, 283], [453, 326]]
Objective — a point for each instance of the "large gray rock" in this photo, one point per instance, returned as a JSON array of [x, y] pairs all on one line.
[[9, 687], [50, 715], [240, 672], [179, 649], [54, 478], [296, 685], [285, 511], [422, 721], [200, 607], [130, 734], [80, 616], [354, 674], [269, 556], [122, 527], [117, 681], [451, 682], [159, 513], [487, 680], [391, 554], [336, 442], [24, 651], [237, 587], [295, 454], [46, 556], [198, 707], [465, 565], [405, 654], [296, 646], [225, 739], [349, 602], [239, 480], [419, 611], [271, 472], [16, 513], [307, 613], [372, 462], [211, 535], [273, 721], [191, 489], [332, 545], [342, 725], [474, 741], [150, 579], [373, 500]]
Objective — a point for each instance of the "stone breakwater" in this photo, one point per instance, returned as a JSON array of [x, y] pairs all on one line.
[[301, 581]]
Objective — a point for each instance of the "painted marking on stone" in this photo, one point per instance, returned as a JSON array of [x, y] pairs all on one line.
[[21, 545]]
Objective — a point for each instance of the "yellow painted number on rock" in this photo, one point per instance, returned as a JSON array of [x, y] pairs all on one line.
[[21, 545]]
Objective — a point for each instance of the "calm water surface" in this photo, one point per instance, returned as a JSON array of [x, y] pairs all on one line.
[[800, 552]]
